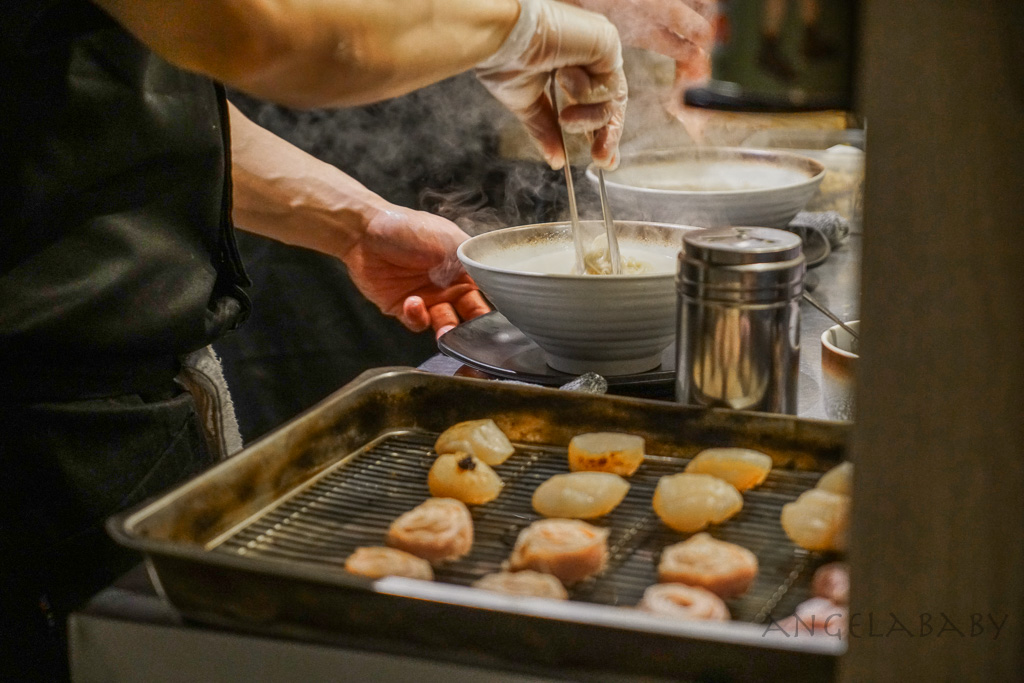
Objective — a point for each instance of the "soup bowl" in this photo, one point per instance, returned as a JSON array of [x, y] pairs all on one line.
[[712, 186], [608, 324]]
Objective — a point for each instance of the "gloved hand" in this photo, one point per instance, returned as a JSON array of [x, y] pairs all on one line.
[[584, 47], [405, 263], [680, 29]]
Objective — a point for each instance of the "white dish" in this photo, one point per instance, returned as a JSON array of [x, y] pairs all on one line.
[[491, 344], [712, 186]]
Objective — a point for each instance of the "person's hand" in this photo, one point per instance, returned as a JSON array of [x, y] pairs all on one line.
[[405, 263], [402, 260], [680, 29], [584, 47]]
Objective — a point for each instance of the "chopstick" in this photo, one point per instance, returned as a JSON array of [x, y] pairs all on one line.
[[577, 230]]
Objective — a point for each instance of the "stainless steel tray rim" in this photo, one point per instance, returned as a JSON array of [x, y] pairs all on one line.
[[626, 618]]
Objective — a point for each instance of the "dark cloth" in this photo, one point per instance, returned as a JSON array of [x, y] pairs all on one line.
[[117, 256], [66, 468], [116, 246]]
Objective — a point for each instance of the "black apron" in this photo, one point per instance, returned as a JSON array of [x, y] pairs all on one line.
[[117, 256]]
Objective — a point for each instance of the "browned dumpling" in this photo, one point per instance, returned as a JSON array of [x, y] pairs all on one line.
[[439, 529], [377, 562], [569, 549], [725, 569], [525, 582], [611, 452], [683, 602]]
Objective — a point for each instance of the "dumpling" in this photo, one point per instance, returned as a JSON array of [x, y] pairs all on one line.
[[725, 569], [817, 520], [463, 477], [377, 562], [690, 502], [480, 438], [580, 495], [683, 602], [742, 467], [525, 582], [438, 529], [606, 452], [569, 549]]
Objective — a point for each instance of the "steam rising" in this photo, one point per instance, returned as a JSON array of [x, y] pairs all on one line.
[[435, 149]]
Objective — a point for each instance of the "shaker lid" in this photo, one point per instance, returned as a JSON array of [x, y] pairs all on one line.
[[741, 246]]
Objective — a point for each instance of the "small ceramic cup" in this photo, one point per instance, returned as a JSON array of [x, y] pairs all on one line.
[[838, 369]]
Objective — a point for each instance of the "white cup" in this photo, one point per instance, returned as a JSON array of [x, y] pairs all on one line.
[[838, 370]]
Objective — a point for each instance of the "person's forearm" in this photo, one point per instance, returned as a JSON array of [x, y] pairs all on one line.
[[308, 53], [284, 193]]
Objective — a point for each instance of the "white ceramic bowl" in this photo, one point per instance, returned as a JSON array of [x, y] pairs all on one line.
[[712, 186], [608, 324]]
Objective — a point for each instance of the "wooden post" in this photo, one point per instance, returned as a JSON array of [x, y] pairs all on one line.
[[938, 516]]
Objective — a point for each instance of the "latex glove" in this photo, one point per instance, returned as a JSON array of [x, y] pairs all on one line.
[[585, 48], [405, 263], [680, 29]]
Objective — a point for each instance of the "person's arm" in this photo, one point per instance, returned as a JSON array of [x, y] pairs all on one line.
[[307, 53], [400, 259], [313, 53]]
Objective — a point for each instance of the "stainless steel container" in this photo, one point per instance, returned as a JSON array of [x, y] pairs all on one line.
[[738, 327]]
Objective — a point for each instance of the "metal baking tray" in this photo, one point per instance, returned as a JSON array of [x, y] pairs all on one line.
[[257, 542]]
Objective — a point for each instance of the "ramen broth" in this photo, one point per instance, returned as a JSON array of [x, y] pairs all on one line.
[[561, 260]]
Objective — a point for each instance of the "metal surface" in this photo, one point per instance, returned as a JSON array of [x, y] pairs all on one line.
[[739, 319], [258, 542], [353, 504], [609, 225], [574, 216]]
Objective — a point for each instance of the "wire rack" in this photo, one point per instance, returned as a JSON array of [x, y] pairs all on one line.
[[353, 503]]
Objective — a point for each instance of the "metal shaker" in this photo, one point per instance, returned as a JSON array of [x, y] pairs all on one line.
[[738, 325]]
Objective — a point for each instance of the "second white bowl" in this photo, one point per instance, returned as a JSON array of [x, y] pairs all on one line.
[[712, 186]]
